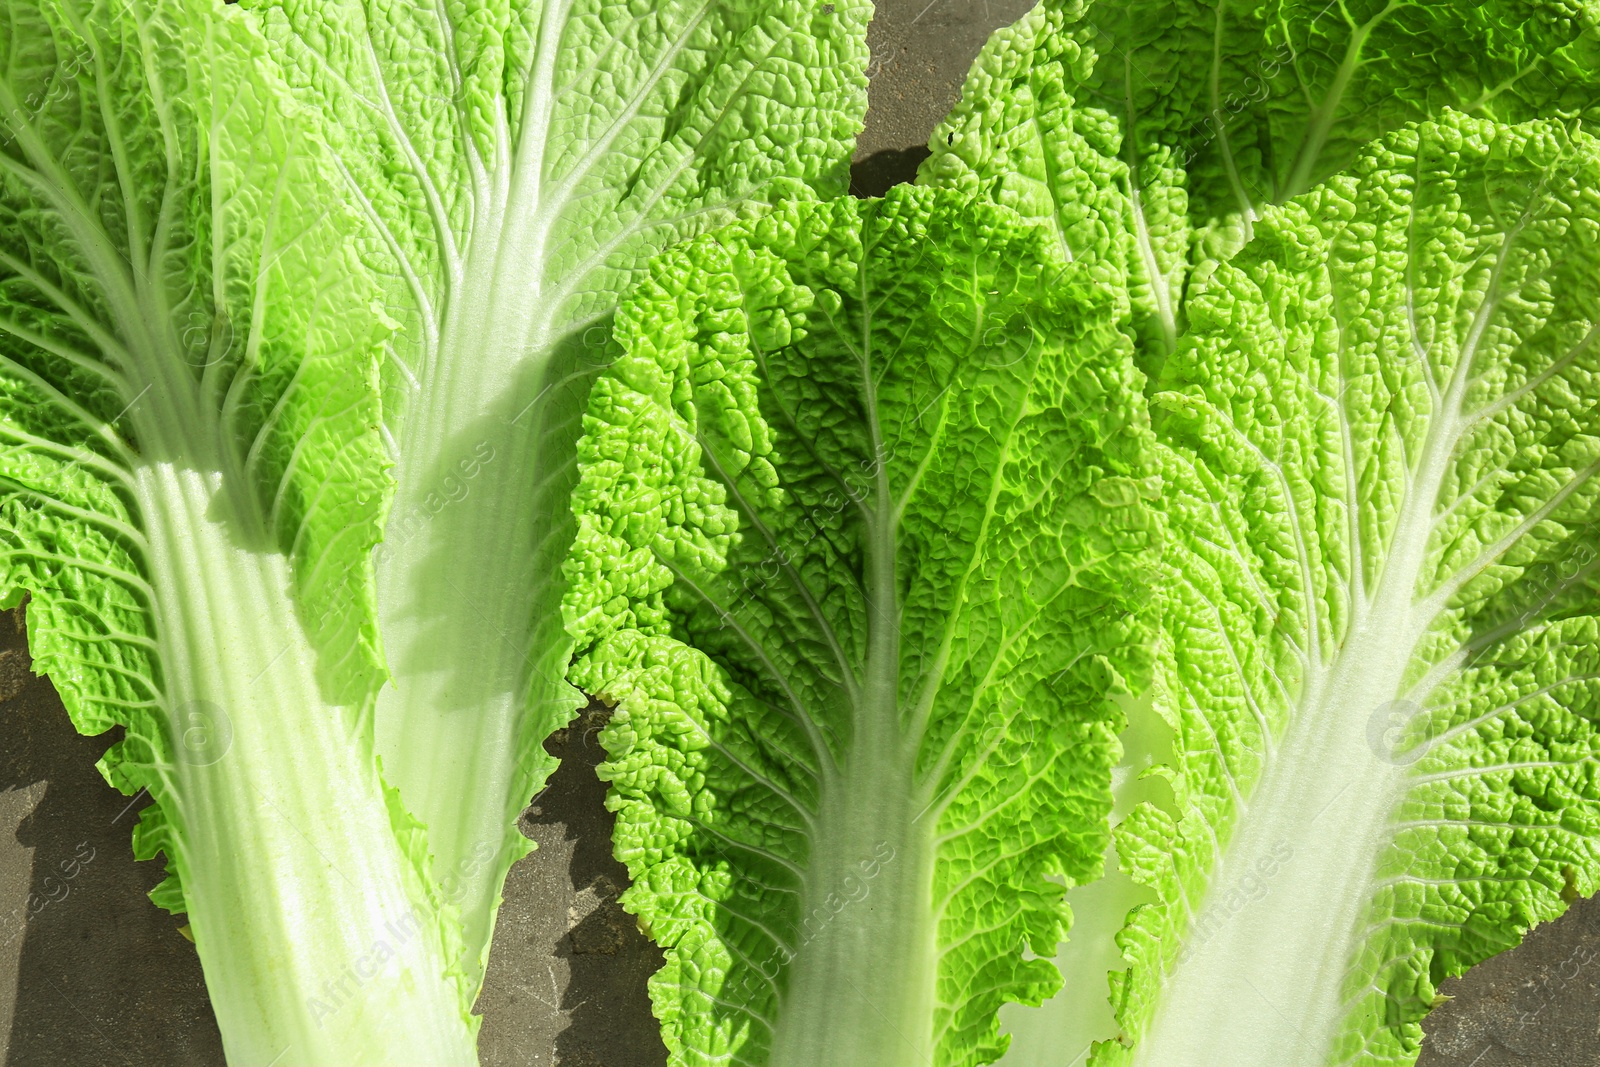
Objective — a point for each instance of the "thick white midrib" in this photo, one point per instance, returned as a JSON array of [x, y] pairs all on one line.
[[485, 337], [1275, 966], [462, 589], [524, 225], [290, 866], [447, 733], [458, 606], [459, 587], [495, 320], [862, 989]]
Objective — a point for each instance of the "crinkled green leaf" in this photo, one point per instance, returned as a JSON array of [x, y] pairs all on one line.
[[1216, 110], [1380, 447], [518, 162], [1020, 137], [864, 525], [191, 482]]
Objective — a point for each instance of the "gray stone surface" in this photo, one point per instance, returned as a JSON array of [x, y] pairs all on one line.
[[98, 975], [567, 974], [90, 971], [921, 51], [1535, 1006]]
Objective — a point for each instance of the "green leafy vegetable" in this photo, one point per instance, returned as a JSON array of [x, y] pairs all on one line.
[[1217, 110], [1179, 127], [191, 481], [1380, 445], [518, 161], [864, 522]]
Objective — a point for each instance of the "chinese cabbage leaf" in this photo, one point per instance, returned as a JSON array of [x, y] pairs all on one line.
[[1213, 111], [518, 162], [864, 529], [191, 481]]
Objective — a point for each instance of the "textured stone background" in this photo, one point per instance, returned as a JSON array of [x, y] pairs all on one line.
[[100, 976]]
